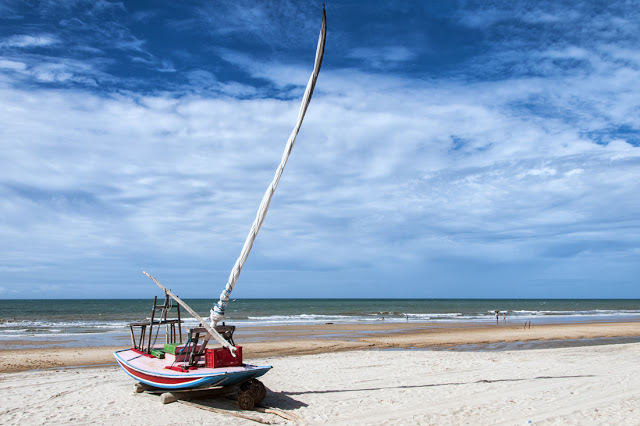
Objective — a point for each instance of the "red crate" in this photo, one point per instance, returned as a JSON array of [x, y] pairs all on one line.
[[221, 357]]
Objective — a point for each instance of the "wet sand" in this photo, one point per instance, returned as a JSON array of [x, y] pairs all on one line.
[[317, 339]]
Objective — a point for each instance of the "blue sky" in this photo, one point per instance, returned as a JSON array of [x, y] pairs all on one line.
[[452, 149]]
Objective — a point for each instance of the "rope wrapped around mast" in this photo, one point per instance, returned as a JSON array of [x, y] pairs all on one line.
[[217, 313]]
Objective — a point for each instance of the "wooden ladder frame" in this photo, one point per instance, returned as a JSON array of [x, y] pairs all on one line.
[[170, 324]]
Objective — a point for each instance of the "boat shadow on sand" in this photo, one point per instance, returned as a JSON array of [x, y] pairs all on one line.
[[431, 385], [283, 400], [279, 400]]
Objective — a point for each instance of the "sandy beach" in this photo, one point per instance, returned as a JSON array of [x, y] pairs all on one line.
[[378, 375]]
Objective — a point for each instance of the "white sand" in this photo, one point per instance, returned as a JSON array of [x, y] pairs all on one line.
[[588, 385]]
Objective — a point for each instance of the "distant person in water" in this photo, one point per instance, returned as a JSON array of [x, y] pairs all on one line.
[[504, 316]]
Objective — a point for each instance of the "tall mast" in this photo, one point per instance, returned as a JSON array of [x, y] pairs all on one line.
[[217, 313]]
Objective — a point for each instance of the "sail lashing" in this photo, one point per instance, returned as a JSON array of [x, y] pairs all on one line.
[[217, 313]]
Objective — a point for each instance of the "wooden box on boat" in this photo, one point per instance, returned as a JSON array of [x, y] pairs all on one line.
[[158, 353], [171, 358], [170, 348], [179, 352]]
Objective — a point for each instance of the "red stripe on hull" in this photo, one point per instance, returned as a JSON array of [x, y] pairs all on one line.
[[159, 379]]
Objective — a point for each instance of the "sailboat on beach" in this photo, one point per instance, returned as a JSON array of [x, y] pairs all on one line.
[[187, 361]]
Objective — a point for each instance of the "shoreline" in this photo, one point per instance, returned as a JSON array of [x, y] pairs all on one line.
[[285, 341]]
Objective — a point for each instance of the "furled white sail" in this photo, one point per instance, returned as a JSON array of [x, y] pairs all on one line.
[[217, 312]]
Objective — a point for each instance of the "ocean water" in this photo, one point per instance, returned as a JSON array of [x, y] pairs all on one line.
[[104, 320]]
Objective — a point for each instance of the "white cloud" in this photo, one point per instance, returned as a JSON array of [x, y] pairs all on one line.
[[284, 23], [12, 65], [387, 57], [27, 41], [282, 75]]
